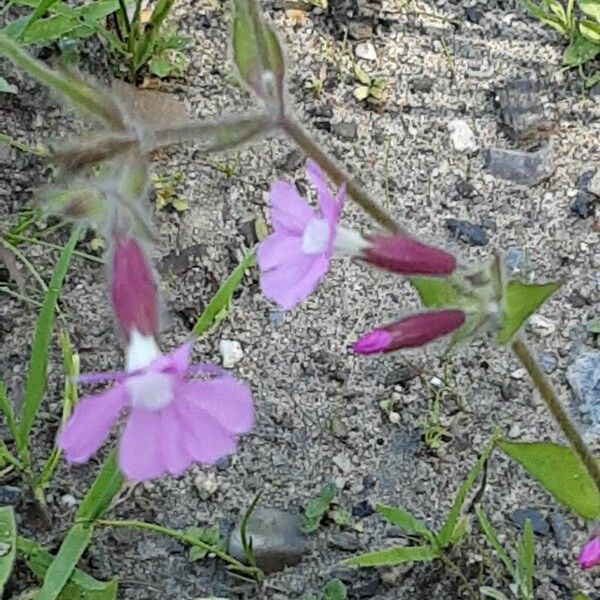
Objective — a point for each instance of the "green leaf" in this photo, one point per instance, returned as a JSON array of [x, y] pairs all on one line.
[[521, 300], [593, 80], [590, 30], [41, 9], [559, 470], [526, 562], [35, 385], [406, 521], [492, 538], [257, 52], [361, 93], [590, 8], [316, 509], [490, 592], [581, 596], [80, 586], [593, 327], [393, 556], [444, 537], [335, 590], [8, 543], [362, 76], [7, 410], [93, 506], [210, 535], [222, 299], [580, 51], [7, 88], [160, 66], [341, 517], [437, 292], [545, 17]]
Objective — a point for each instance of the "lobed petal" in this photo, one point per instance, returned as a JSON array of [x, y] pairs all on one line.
[[331, 207], [290, 213], [278, 249], [140, 447], [175, 457], [91, 423]]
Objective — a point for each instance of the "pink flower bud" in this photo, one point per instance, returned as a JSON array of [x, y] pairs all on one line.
[[590, 554], [132, 288], [407, 256], [411, 332]]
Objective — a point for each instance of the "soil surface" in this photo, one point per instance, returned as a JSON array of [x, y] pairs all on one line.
[[319, 417]]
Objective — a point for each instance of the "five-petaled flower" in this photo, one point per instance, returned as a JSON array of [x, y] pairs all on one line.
[[177, 413]]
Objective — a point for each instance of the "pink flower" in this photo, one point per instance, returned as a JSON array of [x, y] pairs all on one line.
[[590, 554], [174, 417], [407, 256], [132, 287], [411, 332], [295, 257]]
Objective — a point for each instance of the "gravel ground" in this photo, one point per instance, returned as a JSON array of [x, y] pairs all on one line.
[[318, 406]]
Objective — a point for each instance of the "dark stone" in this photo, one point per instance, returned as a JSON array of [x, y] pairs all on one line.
[[346, 130], [538, 522], [582, 206], [10, 495], [473, 14], [517, 263], [560, 530], [277, 541], [400, 376], [291, 161], [179, 262], [248, 231], [465, 188], [422, 84], [520, 106], [366, 587], [549, 362], [223, 463], [524, 168], [362, 509], [508, 390], [369, 482], [467, 232], [276, 317], [584, 378], [360, 30], [346, 541], [578, 300]]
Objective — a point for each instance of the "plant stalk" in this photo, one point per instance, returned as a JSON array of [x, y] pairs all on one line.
[[339, 176], [554, 405]]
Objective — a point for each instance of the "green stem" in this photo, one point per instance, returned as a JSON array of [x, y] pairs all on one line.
[[554, 405], [182, 537], [340, 176]]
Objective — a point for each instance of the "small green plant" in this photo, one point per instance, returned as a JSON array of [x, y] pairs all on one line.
[[167, 195], [316, 509], [334, 590], [520, 571], [371, 89], [581, 28]]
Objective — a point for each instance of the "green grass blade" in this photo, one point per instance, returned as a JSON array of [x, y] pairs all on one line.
[[526, 562], [38, 363], [488, 530], [41, 9], [393, 556], [8, 413], [8, 539], [219, 305]]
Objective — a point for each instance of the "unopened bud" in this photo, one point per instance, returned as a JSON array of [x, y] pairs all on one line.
[[590, 554], [411, 332]]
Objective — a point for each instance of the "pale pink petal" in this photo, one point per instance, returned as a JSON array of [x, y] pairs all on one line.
[[289, 211], [206, 440], [331, 207], [278, 249], [225, 399], [176, 361], [91, 423], [102, 377], [206, 369], [139, 450], [175, 457], [291, 283]]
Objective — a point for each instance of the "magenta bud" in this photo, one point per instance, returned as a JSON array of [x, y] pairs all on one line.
[[132, 288], [590, 554], [407, 256], [411, 332]]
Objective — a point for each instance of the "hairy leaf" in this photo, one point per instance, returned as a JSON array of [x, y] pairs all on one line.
[[393, 556]]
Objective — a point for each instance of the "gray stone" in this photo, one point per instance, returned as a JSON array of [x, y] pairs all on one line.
[[524, 168], [584, 378], [594, 184], [277, 541], [366, 51], [462, 136], [549, 362], [276, 317], [345, 130], [583, 205], [10, 495], [467, 232], [346, 541], [538, 522], [560, 530], [517, 263], [520, 106], [421, 84], [231, 352]]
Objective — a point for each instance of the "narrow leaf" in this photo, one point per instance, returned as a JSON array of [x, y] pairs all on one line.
[[444, 537], [101, 493], [7, 88], [403, 519], [8, 543], [559, 470], [526, 561], [35, 385], [580, 51], [316, 509], [222, 299], [40, 11], [521, 300], [393, 556], [492, 538], [591, 8]]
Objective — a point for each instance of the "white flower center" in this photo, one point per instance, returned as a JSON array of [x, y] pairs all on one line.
[[348, 242], [141, 351], [315, 237], [149, 391]]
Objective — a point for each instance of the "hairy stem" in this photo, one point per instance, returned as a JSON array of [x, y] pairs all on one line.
[[339, 175], [554, 405], [186, 539]]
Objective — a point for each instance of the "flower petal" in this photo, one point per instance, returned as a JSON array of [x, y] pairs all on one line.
[[175, 457], [289, 284], [278, 249], [206, 440], [226, 399], [176, 361], [91, 423], [331, 207], [289, 211], [139, 450]]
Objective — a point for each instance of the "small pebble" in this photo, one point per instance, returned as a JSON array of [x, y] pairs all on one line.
[[538, 522], [231, 353], [366, 51]]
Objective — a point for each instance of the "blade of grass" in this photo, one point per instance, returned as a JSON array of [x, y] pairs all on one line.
[[41, 9], [36, 375], [492, 538]]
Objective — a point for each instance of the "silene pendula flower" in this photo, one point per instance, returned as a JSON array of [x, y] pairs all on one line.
[[296, 256], [176, 413], [590, 554], [410, 332]]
